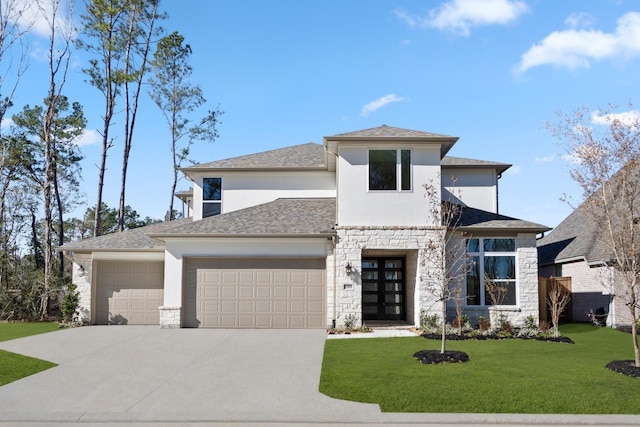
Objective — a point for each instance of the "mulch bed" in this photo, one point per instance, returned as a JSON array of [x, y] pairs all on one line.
[[625, 367], [456, 337], [431, 357]]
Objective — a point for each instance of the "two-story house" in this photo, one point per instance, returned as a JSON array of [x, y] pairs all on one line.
[[309, 235]]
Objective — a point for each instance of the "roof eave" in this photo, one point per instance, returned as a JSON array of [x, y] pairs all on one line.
[[196, 169], [102, 249], [504, 229], [165, 237]]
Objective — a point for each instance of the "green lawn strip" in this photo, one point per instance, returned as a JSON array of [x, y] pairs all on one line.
[[15, 366], [10, 331], [506, 376]]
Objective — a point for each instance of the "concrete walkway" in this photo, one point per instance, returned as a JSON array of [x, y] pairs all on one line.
[[139, 375]]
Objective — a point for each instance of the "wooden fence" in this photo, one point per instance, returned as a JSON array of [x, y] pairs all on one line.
[[543, 292]]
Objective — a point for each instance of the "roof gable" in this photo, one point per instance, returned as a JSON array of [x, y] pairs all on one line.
[[385, 131]]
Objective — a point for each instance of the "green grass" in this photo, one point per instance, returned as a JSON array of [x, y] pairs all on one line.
[[508, 376], [15, 366]]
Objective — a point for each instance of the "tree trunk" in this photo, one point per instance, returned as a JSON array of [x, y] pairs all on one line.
[[444, 325], [56, 192]]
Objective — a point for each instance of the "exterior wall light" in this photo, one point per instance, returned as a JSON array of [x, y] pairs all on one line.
[[348, 269]]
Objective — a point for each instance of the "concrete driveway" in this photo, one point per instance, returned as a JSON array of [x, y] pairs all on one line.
[[143, 375], [137, 373]]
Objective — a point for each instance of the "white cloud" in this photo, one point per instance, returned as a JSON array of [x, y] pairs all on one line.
[[580, 20], [35, 16], [546, 159], [459, 16], [6, 123], [379, 103], [627, 118], [88, 137], [579, 47]]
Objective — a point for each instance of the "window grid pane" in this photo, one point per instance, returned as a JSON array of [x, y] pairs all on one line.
[[211, 188], [405, 169], [382, 170]]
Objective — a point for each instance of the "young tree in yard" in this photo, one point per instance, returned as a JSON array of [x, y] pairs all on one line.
[[605, 147], [444, 259], [176, 97], [140, 29], [557, 299]]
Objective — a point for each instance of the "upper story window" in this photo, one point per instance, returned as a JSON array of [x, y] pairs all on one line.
[[390, 170], [211, 196], [492, 262]]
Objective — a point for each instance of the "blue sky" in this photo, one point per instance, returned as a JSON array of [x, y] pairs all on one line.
[[287, 72]]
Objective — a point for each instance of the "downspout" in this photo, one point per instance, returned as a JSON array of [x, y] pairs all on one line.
[[334, 241], [335, 282], [498, 193]]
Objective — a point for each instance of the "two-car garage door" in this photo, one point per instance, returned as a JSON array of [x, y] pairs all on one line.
[[254, 293]]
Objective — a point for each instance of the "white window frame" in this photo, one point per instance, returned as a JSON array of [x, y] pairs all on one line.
[[481, 255], [399, 170], [211, 202]]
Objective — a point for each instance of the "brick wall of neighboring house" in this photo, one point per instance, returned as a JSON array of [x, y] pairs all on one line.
[[588, 287]]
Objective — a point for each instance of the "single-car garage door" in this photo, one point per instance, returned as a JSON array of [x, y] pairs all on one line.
[[129, 292], [255, 293]]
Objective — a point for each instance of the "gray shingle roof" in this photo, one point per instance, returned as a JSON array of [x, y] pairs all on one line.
[[134, 239], [476, 219], [574, 238], [385, 131], [286, 217], [581, 235], [312, 155], [309, 155], [464, 162]]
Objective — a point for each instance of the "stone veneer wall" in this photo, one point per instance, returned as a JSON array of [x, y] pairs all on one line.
[[169, 317], [81, 277], [355, 242], [352, 243], [527, 275]]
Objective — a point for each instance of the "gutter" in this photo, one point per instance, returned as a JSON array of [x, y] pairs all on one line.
[[164, 237]]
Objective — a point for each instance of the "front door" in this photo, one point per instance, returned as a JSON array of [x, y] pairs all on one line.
[[383, 284]]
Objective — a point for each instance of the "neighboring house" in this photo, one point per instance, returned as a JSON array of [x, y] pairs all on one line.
[[575, 249], [308, 236]]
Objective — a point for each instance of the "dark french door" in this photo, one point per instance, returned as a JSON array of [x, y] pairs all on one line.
[[383, 288]]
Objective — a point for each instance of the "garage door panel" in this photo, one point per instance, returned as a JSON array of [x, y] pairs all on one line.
[[280, 292], [246, 291], [255, 293], [298, 292], [129, 292], [263, 291]]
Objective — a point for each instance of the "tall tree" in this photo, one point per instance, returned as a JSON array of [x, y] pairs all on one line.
[[55, 159], [140, 29], [15, 24], [177, 97], [55, 130], [14, 55], [606, 154], [103, 36]]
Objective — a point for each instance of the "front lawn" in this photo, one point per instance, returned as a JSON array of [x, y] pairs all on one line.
[[15, 366], [502, 376]]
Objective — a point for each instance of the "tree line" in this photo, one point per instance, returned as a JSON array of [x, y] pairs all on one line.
[[130, 55]]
